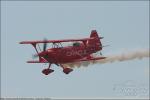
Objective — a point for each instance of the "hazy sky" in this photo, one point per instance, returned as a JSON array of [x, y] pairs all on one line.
[[123, 24]]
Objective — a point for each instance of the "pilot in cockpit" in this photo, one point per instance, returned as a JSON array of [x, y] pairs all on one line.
[[76, 44]]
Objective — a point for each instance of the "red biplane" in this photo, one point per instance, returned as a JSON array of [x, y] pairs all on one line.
[[81, 50]]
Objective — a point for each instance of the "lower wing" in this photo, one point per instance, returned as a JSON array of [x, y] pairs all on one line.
[[33, 61], [78, 60]]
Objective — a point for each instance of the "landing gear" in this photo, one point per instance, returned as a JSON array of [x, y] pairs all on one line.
[[66, 70], [47, 70]]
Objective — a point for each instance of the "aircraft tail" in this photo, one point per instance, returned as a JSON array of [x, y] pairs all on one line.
[[95, 42]]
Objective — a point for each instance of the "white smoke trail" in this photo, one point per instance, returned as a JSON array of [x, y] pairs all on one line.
[[136, 54]]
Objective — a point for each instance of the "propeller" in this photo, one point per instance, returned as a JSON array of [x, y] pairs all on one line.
[[101, 53], [45, 45], [44, 49], [34, 56]]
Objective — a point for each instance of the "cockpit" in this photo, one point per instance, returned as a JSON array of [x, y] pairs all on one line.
[[76, 44]]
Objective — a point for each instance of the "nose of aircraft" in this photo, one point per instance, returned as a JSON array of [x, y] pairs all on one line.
[[43, 53]]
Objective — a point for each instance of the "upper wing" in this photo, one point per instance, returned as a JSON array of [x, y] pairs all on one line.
[[55, 41]]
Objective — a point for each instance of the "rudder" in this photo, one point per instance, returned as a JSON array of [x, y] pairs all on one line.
[[95, 41]]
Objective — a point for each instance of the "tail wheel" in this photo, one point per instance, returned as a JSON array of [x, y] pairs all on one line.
[[47, 71], [67, 70]]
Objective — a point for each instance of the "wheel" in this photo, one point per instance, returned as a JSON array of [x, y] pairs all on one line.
[[47, 71], [67, 70]]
